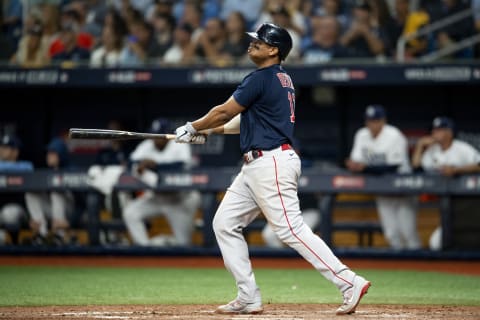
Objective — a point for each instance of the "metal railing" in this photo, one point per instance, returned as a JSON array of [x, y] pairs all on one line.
[[403, 40]]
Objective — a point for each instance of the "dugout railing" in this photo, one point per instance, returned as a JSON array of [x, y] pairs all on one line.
[[212, 181]]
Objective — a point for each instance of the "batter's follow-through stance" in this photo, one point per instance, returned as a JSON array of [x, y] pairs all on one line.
[[262, 111]]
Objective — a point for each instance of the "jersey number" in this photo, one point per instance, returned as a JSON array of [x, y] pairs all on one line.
[[291, 99]]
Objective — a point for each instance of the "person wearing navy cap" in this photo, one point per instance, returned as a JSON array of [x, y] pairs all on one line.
[[380, 148], [150, 157], [10, 146], [441, 153], [12, 211]]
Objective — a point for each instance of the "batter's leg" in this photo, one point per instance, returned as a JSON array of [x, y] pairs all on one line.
[[274, 184], [235, 212]]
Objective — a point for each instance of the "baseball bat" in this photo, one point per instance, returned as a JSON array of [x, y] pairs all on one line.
[[79, 133]]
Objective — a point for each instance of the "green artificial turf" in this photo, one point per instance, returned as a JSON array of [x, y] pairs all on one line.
[[30, 286]]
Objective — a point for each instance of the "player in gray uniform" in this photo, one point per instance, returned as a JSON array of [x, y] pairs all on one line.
[[268, 181]]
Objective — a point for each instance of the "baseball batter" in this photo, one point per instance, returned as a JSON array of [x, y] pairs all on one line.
[[267, 182], [382, 148]]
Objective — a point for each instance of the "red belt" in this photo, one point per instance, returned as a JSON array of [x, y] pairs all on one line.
[[255, 154]]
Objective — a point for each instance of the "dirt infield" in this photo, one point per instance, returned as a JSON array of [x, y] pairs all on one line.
[[272, 311]]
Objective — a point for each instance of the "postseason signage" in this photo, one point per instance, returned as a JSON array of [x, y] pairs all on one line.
[[327, 74]]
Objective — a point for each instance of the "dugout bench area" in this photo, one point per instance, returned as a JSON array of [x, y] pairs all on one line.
[[348, 216]]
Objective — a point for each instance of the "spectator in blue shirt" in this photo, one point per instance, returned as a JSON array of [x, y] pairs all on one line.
[[325, 44]]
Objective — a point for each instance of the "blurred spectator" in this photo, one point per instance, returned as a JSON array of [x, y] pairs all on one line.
[[383, 20], [362, 39], [281, 17], [51, 23], [32, 50], [6, 46], [152, 156], [192, 15], [162, 7], [51, 210], [457, 31], [250, 9], [415, 21], [12, 212], [237, 41], [142, 6], [395, 28], [380, 148], [71, 54], [136, 50], [163, 28], [115, 21], [12, 20], [108, 54], [211, 43], [81, 8], [325, 44], [333, 8], [95, 11], [209, 9], [295, 9], [183, 49], [440, 152], [72, 18]]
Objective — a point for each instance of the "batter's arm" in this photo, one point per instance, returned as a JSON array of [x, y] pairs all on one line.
[[231, 127], [218, 116]]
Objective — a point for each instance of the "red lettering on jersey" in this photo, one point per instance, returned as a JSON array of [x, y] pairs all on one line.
[[285, 80]]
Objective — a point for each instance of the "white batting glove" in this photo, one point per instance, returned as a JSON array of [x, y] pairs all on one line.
[[185, 133], [198, 139]]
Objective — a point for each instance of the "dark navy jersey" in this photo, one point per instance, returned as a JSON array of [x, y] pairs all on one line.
[[269, 98]]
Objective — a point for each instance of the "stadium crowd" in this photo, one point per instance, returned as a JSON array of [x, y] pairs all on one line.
[[116, 33]]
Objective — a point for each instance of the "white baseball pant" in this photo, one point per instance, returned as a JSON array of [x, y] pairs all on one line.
[[398, 217], [178, 208], [269, 185], [49, 205]]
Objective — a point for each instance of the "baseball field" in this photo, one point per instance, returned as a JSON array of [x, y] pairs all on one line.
[[190, 288]]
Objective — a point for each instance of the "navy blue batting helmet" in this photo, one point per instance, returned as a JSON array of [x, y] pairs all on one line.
[[275, 36]]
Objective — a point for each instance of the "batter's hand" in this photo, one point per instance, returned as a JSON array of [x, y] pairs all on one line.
[[198, 139], [188, 134]]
